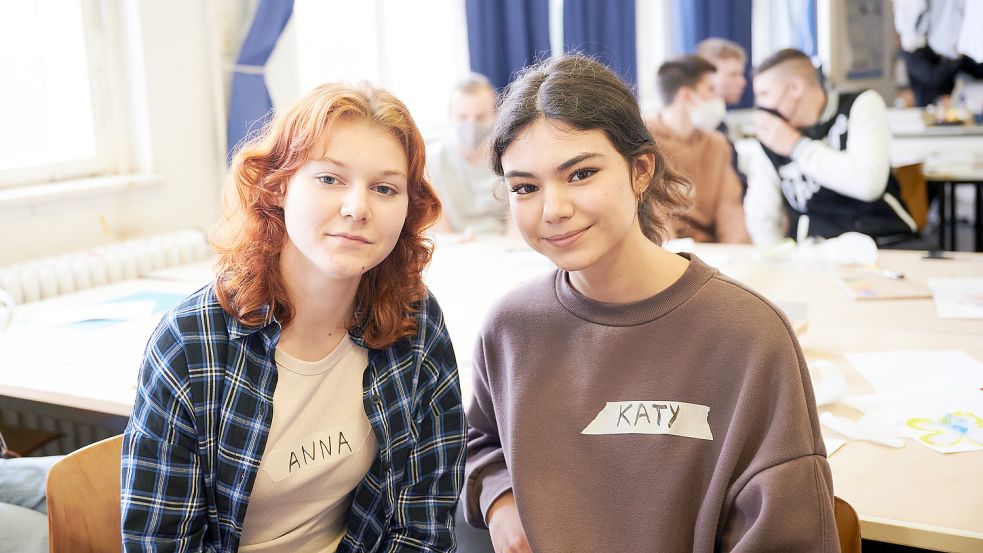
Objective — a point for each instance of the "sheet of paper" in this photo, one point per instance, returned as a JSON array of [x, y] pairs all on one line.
[[899, 370], [932, 397], [943, 419], [832, 444], [863, 284], [958, 298], [103, 311]]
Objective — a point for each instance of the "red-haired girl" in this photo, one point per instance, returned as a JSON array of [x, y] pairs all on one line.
[[314, 381]]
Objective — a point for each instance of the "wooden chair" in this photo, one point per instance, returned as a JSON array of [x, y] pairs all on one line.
[[914, 191], [847, 526], [83, 500]]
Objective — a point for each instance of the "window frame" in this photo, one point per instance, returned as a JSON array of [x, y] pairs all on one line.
[[106, 103]]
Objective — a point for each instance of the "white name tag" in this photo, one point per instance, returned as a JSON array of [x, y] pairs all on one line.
[[652, 417], [315, 451]]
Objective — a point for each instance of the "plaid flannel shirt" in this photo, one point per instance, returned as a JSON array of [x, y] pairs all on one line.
[[204, 404]]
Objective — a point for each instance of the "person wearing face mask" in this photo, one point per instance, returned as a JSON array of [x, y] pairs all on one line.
[[823, 167], [459, 165], [685, 130], [728, 82]]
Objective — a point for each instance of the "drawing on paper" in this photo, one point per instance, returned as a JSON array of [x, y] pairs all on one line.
[[952, 429]]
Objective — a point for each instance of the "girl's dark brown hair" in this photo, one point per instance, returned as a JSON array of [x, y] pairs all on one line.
[[586, 95]]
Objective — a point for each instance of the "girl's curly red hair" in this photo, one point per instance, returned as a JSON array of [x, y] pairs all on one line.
[[251, 232]]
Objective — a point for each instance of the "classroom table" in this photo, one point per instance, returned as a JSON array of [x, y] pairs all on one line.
[[949, 177], [911, 496], [950, 161]]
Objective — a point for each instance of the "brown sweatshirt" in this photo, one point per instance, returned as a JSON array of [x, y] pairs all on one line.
[[717, 213], [682, 422]]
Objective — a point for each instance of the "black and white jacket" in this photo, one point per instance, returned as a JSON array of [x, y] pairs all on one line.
[[840, 177]]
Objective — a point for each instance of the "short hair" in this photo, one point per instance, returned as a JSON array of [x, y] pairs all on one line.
[[790, 62], [680, 72], [252, 232], [585, 94], [473, 83], [716, 48]]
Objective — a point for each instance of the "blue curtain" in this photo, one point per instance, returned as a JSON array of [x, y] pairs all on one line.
[[696, 20], [604, 30], [250, 104], [506, 35], [805, 28]]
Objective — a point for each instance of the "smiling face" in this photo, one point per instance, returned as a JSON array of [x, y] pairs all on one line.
[[345, 208], [570, 193]]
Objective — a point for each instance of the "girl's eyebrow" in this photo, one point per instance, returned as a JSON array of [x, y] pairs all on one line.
[[386, 173], [559, 168]]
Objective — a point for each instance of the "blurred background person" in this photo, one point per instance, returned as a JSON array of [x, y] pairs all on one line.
[[685, 130], [459, 165], [823, 167], [729, 83]]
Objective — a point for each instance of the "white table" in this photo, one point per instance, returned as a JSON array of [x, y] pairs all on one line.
[[910, 496]]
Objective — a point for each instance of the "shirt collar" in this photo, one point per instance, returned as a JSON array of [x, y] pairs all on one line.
[[829, 110], [239, 330]]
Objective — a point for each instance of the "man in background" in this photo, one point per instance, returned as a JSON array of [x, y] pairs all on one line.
[[459, 166], [823, 167], [685, 131], [728, 81]]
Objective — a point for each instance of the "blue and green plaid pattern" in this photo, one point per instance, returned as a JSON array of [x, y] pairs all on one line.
[[202, 416]]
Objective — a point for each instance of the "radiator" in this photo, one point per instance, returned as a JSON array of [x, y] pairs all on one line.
[[48, 277], [77, 428]]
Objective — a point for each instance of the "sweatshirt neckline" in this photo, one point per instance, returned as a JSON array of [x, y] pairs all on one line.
[[697, 273]]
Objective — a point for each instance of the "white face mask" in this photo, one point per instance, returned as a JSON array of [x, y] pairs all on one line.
[[708, 114], [471, 135]]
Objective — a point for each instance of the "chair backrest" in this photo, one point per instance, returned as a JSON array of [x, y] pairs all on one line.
[[847, 526], [914, 191], [83, 500]]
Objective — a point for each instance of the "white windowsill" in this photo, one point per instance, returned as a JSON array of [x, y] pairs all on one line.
[[76, 188]]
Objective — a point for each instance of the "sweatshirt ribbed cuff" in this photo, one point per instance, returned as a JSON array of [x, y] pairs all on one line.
[[799, 148], [491, 483]]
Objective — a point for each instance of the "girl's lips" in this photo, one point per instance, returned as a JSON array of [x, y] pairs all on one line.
[[565, 239]]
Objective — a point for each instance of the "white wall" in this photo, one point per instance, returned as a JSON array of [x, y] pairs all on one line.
[[653, 20], [418, 51], [178, 107]]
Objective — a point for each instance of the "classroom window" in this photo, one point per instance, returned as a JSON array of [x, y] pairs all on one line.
[[417, 53], [54, 102]]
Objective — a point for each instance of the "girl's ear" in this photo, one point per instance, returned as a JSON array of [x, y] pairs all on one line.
[[642, 170]]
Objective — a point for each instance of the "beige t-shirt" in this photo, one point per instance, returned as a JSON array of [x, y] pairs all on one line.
[[320, 447]]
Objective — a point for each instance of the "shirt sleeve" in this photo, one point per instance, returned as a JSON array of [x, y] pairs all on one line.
[[787, 507], [730, 209], [763, 211], [781, 497], [861, 170], [424, 517], [162, 496], [486, 474]]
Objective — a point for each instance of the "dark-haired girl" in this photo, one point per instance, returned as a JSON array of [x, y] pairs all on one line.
[[633, 399]]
